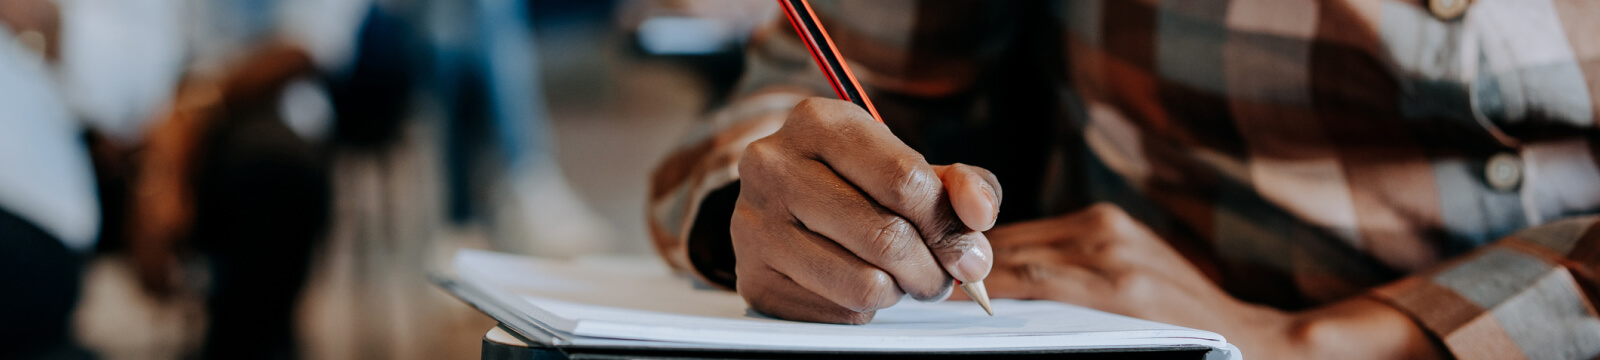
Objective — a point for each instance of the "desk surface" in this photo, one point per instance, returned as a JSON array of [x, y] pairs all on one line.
[[500, 337], [499, 344]]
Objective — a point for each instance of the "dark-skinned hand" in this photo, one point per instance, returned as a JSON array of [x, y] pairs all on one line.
[[838, 218], [1102, 258]]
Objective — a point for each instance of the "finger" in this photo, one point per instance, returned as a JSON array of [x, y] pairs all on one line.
[[974, 193], [967, 257], [776, 295], [1025, 234], [829, 206], [1045, 276], [893, 175], [1110, 239], [1005, 283], [1082, 246], [781, 247], [829, 270], [1064, 283], [867, 155]]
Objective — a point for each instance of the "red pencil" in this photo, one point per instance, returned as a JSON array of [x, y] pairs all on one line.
[[844, 83], [811, 32]]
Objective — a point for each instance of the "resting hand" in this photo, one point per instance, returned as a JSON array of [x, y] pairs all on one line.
[[1103, 259]]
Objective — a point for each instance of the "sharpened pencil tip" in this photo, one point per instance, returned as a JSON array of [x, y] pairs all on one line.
[[978, 293]]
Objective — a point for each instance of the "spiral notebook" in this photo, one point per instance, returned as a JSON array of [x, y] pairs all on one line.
[[587, 305]]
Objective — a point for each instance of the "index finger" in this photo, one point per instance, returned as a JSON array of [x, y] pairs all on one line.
[[866, 154]]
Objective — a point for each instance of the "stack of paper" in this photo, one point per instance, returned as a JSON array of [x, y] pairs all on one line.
[[567, 304]]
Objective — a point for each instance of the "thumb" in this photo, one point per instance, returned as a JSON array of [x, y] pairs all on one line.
[[974, 195]]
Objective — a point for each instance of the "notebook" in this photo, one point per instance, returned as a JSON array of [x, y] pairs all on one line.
[[590, 305]]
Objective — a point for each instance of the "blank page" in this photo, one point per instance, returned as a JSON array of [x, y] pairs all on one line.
[[596, 305]]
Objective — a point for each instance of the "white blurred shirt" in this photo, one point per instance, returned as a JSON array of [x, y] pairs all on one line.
[[46, 176]]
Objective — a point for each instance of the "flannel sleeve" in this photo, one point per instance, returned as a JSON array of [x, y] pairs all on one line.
[[1529, 295], [779, 74], [1528, 69]]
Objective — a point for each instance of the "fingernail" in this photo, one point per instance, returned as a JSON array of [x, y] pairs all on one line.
[[973, 266]]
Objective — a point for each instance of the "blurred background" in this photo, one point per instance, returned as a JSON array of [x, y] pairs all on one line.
[[275, 178]]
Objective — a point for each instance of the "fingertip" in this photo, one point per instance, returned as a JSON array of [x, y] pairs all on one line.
[[992, 198], [975, 262], [974, 202]]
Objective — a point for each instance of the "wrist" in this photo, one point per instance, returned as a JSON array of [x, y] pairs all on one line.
[[1360, 328], [1265, 332]]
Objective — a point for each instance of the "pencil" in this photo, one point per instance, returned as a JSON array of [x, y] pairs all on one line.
[[845, 85]]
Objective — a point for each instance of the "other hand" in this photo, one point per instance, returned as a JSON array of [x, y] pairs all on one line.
[[1104, 259]]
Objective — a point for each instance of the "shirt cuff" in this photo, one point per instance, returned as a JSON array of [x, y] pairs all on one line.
[[1525, 296]]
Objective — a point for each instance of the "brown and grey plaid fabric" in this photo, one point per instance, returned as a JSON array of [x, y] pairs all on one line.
[[1300, 151]]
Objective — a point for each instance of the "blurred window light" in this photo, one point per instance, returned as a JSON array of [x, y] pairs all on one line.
[[674, 35]]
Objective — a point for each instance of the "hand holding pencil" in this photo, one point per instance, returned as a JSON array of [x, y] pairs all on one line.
[[837, 218]]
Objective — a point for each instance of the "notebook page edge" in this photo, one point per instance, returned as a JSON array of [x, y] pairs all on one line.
[[518, 310]]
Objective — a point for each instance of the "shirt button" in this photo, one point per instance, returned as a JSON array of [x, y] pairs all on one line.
[[1448, 9], [1503, 171]]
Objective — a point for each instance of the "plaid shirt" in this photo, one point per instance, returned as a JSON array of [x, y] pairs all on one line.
[[1300, 152]]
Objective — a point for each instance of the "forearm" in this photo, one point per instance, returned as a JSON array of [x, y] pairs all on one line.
[[1359, 328]]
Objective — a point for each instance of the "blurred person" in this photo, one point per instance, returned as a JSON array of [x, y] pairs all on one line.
[[233, 169], [223, 175], [476, 58], [93, 94], [1312, 179], [498, 149]]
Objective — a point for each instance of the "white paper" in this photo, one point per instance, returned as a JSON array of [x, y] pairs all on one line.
[[587, 305]]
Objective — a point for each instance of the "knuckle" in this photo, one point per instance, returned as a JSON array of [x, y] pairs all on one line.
[[805, 107], [1118, 252], [912, 184], [857, 317], [888, 242], [1106, 216], [759, 155], [742, 226], [810, 112], [1134, 285], [875, 290], [950, 245], [1033, 273], [753, 291], [764, 162], [810, 104]]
